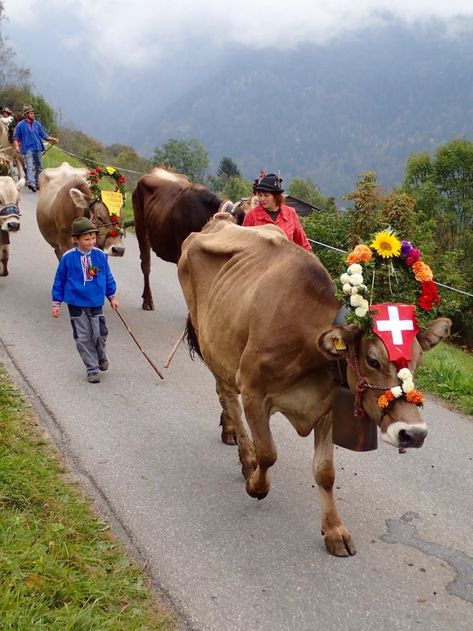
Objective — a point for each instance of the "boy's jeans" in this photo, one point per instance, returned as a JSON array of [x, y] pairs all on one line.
[[33, 163], [90, 333]]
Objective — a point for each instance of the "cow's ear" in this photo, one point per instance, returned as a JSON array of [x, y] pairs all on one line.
[[78, 197], [20, 184], [437, 331], [335, 343]]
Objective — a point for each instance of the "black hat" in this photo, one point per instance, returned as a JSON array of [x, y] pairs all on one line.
[[82, 225], [270, 183]]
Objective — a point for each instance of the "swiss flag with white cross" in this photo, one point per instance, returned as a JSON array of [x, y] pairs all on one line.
[[396, 325]]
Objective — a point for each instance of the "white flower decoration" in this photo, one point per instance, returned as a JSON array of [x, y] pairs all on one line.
[[356, 300], [361, 312], [347, 289], [408, 385], [344, 278], [355, 269], [356, 279], [404, 373], [397, 391]]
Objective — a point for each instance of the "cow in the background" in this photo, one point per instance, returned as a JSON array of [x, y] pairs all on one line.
[[64, 195], [167, 208], [9, 217], [261, 316], [11, 162]]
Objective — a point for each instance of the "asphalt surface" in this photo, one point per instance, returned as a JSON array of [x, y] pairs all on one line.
[[149, 453]]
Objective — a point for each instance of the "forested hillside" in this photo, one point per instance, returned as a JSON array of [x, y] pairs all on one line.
[[329, 112]]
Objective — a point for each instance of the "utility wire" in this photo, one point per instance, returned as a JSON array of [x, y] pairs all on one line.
[[330, 247]]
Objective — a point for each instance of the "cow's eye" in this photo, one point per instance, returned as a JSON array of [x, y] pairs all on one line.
[[372, 362]]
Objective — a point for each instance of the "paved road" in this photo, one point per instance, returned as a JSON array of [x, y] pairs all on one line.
[[150, 453]]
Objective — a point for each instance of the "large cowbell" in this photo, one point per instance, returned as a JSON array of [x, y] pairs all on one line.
[[358, 433]]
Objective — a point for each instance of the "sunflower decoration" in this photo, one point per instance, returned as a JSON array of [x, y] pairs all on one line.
[[388, 270], [386, 245]]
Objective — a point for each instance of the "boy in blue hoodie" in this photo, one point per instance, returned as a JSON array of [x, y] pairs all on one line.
[[83, 280]]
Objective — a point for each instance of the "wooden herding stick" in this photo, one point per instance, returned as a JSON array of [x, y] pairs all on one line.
[[174, 349], [137, 343]]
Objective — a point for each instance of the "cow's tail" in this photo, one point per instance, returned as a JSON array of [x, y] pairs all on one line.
[[192, 340]]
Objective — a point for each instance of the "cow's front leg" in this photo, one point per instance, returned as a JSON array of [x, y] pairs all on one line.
[[148, 303], [258, 484], [4, 241], [233, 429], [145, 255], [338, 540]]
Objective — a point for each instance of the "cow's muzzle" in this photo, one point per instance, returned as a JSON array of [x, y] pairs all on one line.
[[117, 250], [404, 435], [12, 226]]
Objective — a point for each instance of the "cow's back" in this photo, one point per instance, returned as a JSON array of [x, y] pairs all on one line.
[[167, 208], [250, 290]]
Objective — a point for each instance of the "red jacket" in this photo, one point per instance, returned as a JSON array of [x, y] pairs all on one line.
[[286, 219]]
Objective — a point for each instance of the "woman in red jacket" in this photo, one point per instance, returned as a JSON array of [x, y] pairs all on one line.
[[271, 209]]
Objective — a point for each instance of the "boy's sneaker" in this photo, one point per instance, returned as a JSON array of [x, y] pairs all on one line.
[[31, 186], [93, 377], [103, 364]]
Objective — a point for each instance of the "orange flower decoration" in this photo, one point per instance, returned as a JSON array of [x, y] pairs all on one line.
[[389, 396], [416, 397], [360, 253], [383, 401], [422, 271]]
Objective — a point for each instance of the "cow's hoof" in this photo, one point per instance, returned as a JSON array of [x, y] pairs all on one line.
[[4, 273], [247, 469], [228, 437], [148, 306], [341, 545], [258, 493]]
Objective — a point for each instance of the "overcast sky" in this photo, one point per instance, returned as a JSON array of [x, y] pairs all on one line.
[[142, 32]]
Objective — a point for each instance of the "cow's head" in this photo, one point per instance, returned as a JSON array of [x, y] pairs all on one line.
[[9, 200], [242, 207], [109, 235], [370, 373]]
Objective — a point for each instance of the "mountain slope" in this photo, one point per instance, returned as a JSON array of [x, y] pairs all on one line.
[[327, 113]]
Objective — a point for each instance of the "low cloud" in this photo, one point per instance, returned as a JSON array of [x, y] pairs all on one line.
[[143, 34]]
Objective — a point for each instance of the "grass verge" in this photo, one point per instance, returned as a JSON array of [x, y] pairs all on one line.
[[60, 568], [447, 372]]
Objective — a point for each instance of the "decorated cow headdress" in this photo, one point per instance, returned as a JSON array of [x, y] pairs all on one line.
[[389, 291], [113, 200]]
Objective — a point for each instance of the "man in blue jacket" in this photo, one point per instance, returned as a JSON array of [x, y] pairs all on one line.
[[28, 138]]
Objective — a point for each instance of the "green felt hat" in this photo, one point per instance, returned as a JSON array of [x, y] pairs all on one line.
[[82, 225]]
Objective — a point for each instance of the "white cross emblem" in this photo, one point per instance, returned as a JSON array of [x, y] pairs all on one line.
[[395, 325]]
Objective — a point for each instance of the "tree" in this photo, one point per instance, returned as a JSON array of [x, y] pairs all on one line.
[[227, 169], [307, 191], [183, 156], [10, 73], [236, 188], [443, 189], [45, 113], [442, 186]]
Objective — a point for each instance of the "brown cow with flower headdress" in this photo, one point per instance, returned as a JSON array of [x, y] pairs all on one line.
[[261, 313], [65, 194]]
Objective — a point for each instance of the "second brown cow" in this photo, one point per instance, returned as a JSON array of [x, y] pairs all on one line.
[[167, 208]]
